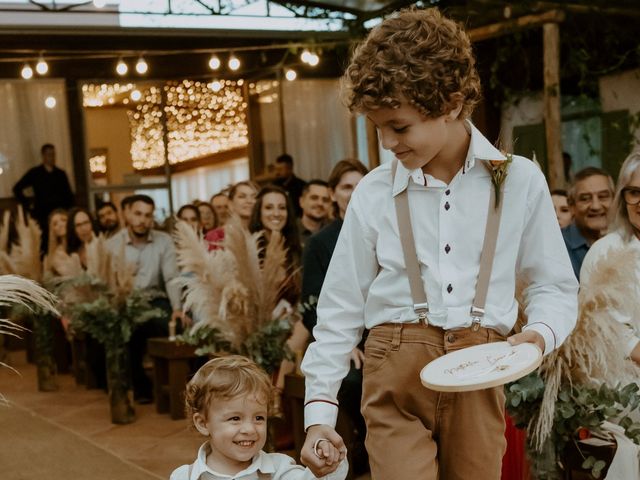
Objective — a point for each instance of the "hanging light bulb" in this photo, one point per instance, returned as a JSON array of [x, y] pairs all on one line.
[[27, 72], [313, 59], [42, 67], [141, 66], [305, 55], [122, 68], [50, 102], [234, 62], [135, 95], [99, 3], [290, 75], [214, 62]]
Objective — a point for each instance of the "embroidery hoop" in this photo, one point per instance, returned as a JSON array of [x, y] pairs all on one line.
[[481, 366]]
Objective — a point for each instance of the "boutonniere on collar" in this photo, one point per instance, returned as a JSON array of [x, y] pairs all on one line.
[[498, 170]]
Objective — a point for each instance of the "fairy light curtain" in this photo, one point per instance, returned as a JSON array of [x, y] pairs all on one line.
[[26, 124], [202, 119]]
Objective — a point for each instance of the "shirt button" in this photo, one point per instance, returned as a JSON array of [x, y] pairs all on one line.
[[448, 192], [449, 288], [447, 248], [447, 206], [451, 338]]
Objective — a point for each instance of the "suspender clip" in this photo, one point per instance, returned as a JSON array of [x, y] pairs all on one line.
[[476, 318], [422, 309]]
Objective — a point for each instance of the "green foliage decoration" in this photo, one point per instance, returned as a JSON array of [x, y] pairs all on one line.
[[578, 407]]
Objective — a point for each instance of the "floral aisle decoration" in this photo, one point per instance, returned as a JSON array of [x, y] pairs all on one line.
[[23, 258], [587, 381], [235, 292], [103, 303], [15, 290]]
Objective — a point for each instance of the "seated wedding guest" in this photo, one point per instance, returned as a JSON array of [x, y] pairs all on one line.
[[242, 198], [220, 203], [315, 203], [191, 214], [589, 201], [154, 255], [208, 218], [80, 232], [228, 401], [561, 206], [57, 231], [315, 262], [108, 222], [624, 233]]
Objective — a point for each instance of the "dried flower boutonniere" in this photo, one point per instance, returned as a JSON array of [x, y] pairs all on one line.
[[498, 170]]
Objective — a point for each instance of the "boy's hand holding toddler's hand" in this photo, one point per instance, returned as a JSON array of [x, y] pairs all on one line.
[[323, 450]]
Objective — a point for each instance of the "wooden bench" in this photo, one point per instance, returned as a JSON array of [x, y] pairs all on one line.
[[294, 394], [171, 369]]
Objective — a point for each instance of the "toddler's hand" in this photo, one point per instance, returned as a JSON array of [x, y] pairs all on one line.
[[326, 451]]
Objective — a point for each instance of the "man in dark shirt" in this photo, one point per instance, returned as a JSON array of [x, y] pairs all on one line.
[[286, 179], [50, 186], [589, 200]]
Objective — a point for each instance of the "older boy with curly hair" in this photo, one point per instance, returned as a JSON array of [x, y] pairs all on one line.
[[415, 78]]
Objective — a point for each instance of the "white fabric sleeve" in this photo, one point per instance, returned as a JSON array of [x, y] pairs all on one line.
[[551, 295], [340, 311]]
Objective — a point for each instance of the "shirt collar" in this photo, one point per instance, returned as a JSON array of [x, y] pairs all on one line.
[[479, 149], [262, 463], [574, 237], [128, 240]]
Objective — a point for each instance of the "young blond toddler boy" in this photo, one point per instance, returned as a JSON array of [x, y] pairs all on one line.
[[228, 400]]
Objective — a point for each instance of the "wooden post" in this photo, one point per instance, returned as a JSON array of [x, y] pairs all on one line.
[[552, 120]]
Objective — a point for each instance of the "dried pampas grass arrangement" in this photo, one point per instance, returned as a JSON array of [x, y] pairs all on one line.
[[232, 289], [591, 354], [22, 258]]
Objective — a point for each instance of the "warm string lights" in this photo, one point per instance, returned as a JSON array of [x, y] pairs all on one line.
[[141, 67], [106, 94], [98, 164], [202, 119]]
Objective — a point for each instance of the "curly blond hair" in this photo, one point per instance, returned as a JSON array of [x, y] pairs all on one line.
[[226, 378], [418, 56]]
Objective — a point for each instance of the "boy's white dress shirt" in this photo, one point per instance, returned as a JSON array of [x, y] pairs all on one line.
[[274, 466], [367, 285]]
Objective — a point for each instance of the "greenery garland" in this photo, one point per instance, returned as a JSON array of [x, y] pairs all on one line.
[[580, 411]]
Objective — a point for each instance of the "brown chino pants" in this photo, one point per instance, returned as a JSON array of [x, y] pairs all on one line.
[[414, 433]]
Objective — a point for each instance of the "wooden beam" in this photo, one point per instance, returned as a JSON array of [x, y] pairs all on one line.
[[502, 28], [551, 95]]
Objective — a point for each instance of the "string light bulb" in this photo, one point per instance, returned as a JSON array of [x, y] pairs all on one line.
[[313, 59], [214, 62], [50, 102], [234, 62], [122, 68], [141, 66], [305, 55], [27, 72], [42, 67], [136, 95], [290, 75]]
